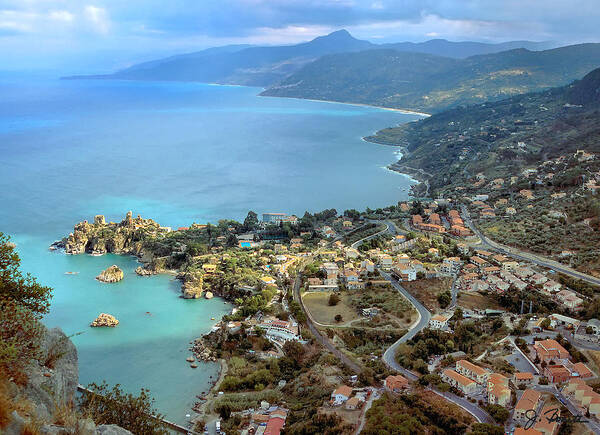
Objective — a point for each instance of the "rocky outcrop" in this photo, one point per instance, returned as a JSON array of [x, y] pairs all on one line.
[[112, 274], [208, 295], [125, 237], [192, 286], [142, 271], [201, 351], [104, 320]]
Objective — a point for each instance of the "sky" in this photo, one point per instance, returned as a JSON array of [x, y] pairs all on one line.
[[103, 35]]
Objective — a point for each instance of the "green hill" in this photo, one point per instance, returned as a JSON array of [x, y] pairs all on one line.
[[429, 83]]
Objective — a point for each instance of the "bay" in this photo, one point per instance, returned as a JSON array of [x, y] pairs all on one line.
[[178, 153]]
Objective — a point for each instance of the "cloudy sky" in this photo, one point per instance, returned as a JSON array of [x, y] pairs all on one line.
[[89, 35]]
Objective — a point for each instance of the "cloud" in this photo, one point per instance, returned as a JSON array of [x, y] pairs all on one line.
[[98, 18], [150, 28]]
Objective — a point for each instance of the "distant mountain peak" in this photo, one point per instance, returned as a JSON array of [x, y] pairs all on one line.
[[338, 35]]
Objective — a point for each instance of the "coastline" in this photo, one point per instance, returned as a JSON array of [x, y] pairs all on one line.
[[391, 109]]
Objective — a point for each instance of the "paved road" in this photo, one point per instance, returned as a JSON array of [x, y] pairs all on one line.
[[372, 236], [423, 321], [525, 256], [321, 338]]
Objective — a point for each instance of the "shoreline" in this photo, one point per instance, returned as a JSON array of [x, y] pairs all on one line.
[[391, 109]]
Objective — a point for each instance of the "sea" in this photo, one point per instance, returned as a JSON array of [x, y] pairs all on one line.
[[177, 153]]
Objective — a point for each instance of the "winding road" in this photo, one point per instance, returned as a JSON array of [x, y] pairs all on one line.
[[525, 256], [389, 357]]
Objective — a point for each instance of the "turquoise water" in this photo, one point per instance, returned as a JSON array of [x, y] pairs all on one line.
[[179, 153]]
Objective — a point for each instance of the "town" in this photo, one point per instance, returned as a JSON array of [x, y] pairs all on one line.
[[409, 302]]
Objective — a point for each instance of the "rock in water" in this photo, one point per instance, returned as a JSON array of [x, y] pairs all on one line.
[[105, 320], [112, 274], [208, 295], [142, 271]]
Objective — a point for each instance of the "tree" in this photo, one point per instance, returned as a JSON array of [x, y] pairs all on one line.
[[22, 289], [232, 241], [22, 302], [113, 406], [338, 318], [334, 299], [444, 299], [251, 221], [498, 413]]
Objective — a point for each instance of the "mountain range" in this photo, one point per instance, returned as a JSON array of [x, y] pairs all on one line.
[[265, 66], [429, 76]]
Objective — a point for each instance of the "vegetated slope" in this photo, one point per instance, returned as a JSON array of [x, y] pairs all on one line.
[[430, 83], [456, 144], [463, 49]]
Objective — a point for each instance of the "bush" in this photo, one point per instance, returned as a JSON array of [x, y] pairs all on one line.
[[113, 406], [498, 413], [334, 299], [338, 318]]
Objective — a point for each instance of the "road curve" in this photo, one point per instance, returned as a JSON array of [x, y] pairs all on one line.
[[525, 256], [389, 357], [372, 236]]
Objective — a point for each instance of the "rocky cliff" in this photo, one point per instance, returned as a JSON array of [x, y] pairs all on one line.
[[125, 237], [51, 384]]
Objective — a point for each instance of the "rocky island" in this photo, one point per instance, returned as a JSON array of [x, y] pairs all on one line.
[[110, 275], [105, 320]]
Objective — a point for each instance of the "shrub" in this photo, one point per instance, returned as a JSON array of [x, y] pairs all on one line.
[[334, 299], [338, 318], [107, 405]]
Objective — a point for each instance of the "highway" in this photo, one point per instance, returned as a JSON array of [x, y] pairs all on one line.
[[525, 256]]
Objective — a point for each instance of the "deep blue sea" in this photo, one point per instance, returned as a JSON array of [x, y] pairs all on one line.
[[178, 153]]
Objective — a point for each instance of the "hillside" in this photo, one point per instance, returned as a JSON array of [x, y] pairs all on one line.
[[429, 83], [535, 157], [264, 66]]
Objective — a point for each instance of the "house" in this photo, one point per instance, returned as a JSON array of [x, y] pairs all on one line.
[[529, 400], [547, 424], [354, 403], [538, 279], [386, 261], [350, 276], [560, 320], [557, 374], [439, 321], [356, 285], [523, 431], [525, 378], [404, 272], [464, 384], [450, 266], [347, 224], [549, 349], [395, 383], [352, 253], [569, 299], [551, 286], [274, 426], [315, 281], [472, 371], [433, 251], [368, 265], [498, 390], [209, 268], [479, 262], [341, 394], [581, 370], [510, 265], [267, 280]]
